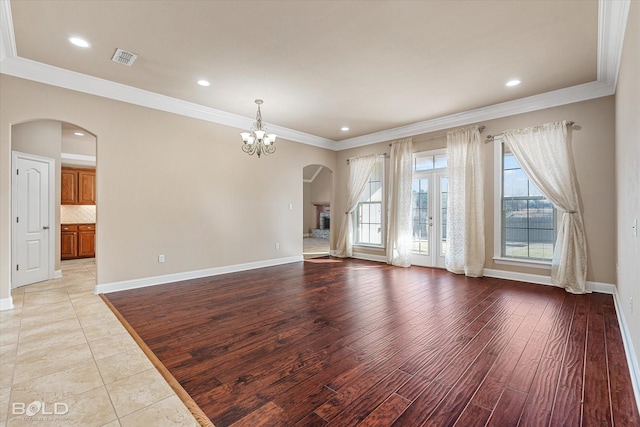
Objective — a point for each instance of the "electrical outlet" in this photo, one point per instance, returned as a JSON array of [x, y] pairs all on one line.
[[631, 304], [277, 245], [160, 258]]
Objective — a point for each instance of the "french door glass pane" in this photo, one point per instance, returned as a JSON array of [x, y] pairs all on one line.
[[421, 216], [444, 197]]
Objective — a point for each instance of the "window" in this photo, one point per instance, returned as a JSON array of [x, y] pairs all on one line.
[[527, 219], [368, 213]]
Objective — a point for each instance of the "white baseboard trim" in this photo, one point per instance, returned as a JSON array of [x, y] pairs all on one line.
[[6, 303], [57, 274], [370, 257], [603, 288], [632, 358], [187, 275]]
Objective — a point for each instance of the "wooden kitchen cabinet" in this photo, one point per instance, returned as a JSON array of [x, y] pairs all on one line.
[[69, 186], [86, 241], [68, 241], [78, 186], [77, 241]]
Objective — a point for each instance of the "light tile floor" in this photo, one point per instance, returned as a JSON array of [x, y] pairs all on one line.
[[312, 247], [66, 360]]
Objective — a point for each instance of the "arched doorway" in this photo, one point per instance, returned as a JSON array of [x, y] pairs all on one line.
[[68, 148], [317, 195]]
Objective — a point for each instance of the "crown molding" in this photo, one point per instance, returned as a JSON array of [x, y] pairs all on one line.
[[555, 98], [612, 23], [7, 40], [315, 175], [612, 18], [55, 76]]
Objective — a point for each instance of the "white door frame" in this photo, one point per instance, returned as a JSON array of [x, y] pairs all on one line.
[[435, 257], [15, 155]]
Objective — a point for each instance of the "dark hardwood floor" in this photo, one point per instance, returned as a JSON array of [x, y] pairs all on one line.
[[348, 342]]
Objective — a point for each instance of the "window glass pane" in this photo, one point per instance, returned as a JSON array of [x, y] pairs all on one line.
[[364, 213], [376, 213], [515, 183], [444, 197], [415, 202], [366, 194], [423, 163], [420, 212], [510, 162], [441, 161], [533, 190], [376, 192]]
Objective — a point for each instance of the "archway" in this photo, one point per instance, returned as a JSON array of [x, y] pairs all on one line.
[[317, 196], [68, 146]]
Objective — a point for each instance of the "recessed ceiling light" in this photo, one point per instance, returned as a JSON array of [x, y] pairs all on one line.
[[514, 82], [78, 134], [77, 41], [204, 83], [344, 128]]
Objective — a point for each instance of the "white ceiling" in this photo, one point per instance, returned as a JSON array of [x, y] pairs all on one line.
[[384, 68]]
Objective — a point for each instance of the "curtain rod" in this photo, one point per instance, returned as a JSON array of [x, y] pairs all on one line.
[[492, 137], [379, 155], [440, 135]]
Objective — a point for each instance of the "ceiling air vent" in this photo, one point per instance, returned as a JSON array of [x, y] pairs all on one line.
[[124, 57]]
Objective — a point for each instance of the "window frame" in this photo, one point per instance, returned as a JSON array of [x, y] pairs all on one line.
[[356, 223], [498, 257]]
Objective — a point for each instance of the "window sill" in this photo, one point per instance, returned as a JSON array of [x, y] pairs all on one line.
[[364, 245], [523, 262]]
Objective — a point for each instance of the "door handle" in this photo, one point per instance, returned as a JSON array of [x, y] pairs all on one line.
[[46, 227]]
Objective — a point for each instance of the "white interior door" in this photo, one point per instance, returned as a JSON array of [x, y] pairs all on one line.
[[429, 211], [32, 200]]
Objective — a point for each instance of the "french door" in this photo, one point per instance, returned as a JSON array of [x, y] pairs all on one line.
[[429, 215]]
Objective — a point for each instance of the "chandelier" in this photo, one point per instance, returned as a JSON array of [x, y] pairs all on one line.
[[258, 141]]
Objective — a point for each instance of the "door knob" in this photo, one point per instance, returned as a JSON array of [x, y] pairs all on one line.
[[46, 227]]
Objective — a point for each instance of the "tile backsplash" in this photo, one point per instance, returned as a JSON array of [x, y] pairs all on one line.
[[77, 214]]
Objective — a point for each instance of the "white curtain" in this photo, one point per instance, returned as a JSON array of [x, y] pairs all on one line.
[[360, 169], [544, 154], [399, 225], [465, 210]]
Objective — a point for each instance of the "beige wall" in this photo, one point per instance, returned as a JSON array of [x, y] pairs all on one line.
[[167, 184], [321, 187], [43, 138], [593, 150], [85, 146], [162, 189], [627, 127]]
